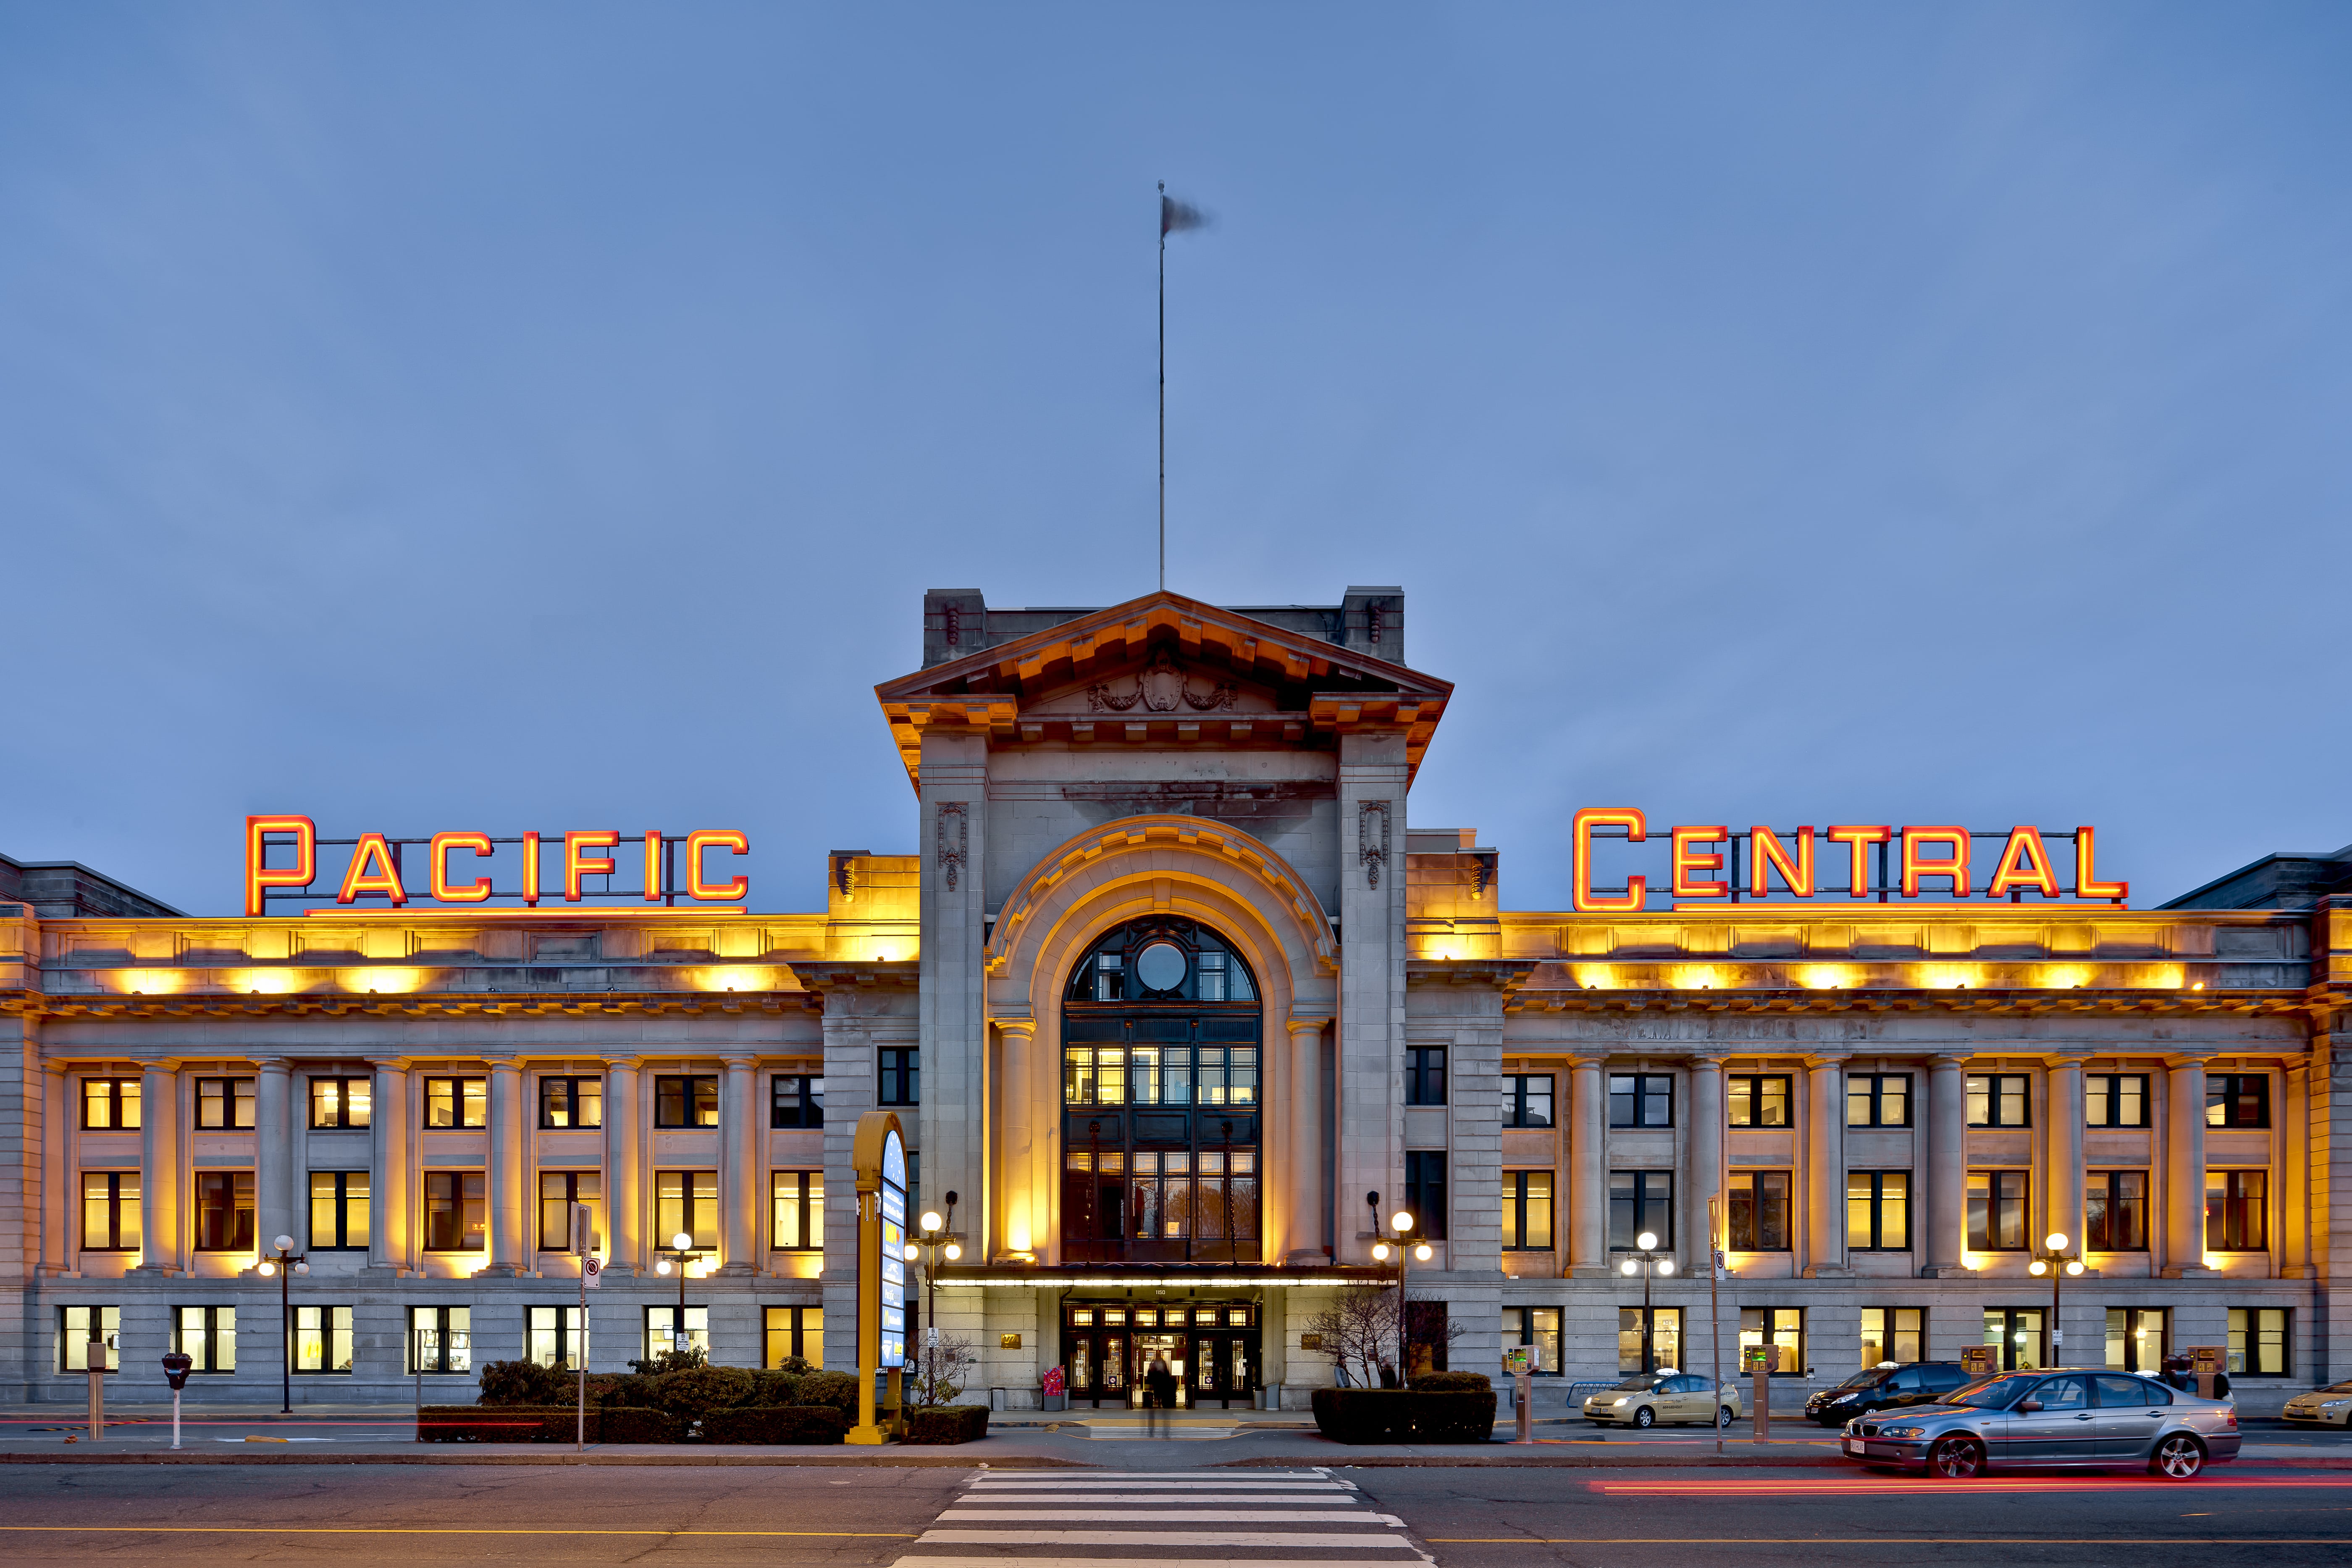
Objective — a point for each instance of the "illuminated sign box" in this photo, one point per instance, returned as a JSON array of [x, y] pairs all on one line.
[[674, 867]]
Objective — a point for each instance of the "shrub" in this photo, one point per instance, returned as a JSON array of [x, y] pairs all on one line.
[[838, 1389], [698, 1391], [525, 1383], [670, 1361], [625, 1426], [480, 1424], [1451, 1383], [1404, 1416], [776, 1424], [946, 1424]]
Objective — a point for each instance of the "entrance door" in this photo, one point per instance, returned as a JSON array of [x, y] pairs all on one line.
[[1096, 1368], [1169, 1348], [1224, 1369]]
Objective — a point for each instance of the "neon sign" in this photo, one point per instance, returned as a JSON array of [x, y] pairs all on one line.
[[674, 867], [1710, 862]]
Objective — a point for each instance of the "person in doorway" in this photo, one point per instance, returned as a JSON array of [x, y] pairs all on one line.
[[1159, 1397]]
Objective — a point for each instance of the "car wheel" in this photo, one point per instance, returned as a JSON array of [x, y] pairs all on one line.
[[1723, 1416], [1646, 1417], [2178, 1458], [1956, 1459]]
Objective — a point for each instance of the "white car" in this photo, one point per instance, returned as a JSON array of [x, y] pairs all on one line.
[[2330, 1406]]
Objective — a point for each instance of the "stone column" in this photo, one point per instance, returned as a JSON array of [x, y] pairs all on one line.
[[2184, 1168], [1369, 1112], [1947, 1166], [1705, 1183], [163, 1248], [740, 1169], [1825, 1167], [624, 1216], [849, 1090], [61, 1206], [388, 1177], [1306, 1218], [1588, 1190], [2294, 1176], [510, 1204], [273, 1137], [2061, 1148], [1023, 1206]]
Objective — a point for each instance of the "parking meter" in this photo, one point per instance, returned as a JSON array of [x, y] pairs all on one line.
[[176, 1367]]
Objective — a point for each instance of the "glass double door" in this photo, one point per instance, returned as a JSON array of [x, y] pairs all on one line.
[[1111, 1366]]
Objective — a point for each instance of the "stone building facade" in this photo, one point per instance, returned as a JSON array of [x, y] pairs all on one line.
[[1168, 989]]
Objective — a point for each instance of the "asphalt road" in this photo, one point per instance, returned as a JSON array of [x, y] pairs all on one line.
[[1491, 1518]]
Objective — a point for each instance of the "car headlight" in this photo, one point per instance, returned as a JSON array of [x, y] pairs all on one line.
[[2334, 1403], [1901, 1431], [1620, 1402]]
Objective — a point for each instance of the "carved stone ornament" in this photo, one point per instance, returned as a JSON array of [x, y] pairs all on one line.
[[955, 841], [1372, 838], [1163, 688]]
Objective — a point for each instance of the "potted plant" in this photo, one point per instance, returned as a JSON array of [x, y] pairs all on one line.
[[1056, 1395]]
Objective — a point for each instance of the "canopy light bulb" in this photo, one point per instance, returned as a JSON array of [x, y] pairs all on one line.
[[954, 1250], [2056, 1241], [1380, 1251], [682, 1242], [931, 1220], [1628, 1267], [2073, 1266], [269, 1269], [663, 1267], [1665, 1266], [1647, 1241], [1424, 1252], [1401, 1221], [909, 1251], [2037, 1268]]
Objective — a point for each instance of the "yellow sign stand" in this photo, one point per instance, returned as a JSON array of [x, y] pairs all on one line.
[[879, 1159]]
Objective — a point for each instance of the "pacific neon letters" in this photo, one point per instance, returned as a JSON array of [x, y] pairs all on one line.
[[377, 875]]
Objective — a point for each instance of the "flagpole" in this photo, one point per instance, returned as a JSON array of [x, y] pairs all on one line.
[[1163, 386]]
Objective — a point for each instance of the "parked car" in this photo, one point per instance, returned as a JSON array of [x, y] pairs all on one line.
[[1884, 1387], [2034, 1420], [1648, 1398], [2330, 1407]]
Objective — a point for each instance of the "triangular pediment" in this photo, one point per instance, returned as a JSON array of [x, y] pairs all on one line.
[[1169, 660]]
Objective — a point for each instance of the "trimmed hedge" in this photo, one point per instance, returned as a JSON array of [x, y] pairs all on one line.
[[776, 1424], [1404, 1415], [543, 1423], [1451, 1383], [946, 1424]]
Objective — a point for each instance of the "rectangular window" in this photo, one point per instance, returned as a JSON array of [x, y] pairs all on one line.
[[1781, 1326], [339, 1210], [224, 1211], [2016, 1331], [323, 1340], [2237, 1217], [457, 1102], [340, 1101], [441, 1340], [109, 1211], [795, 1099], [794, 1332], [1997, 1099], [1878, 1100], [1758, 1100], [1996, 1211], [74, 1324], [687, 1202], [663, 1331], [2238, 1099], [686, 1101], [1526, 1211], [2258, 1341], [1538, 1327], [1424, 1075], [455, 1211], [1665, 1347], [796, 1201], [558, 1338], [558, 1191], [1424, 1193], [1641, 1100], [1526, 1100], [2115, 1099], [570, 1102], [109, 1105], [2139, 1339], [1878, 1210], [1641, 1201], [224, 1104], [2114, 1211], [1892, 1333], [207, 1336], [902, 1075], [1759, 1211]]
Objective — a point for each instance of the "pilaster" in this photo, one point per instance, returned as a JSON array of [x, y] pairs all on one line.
[[508, 1202], [2184, 1166], [2062, 1146], [1304, 1243], [1588, 1192], [273, 1140], [1825, 1166], [624, 1173], [951, 1125], [1370, 1111], [740, 1166], [1947, 1166], [389, 1166], [162, 1245], [1021, 1201]]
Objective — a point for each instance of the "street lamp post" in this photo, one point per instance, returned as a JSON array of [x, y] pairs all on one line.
[[2055, 1260], [674, 1261], [285, 1262], [933, 1242], [1647, 1261], [1404, 1222]]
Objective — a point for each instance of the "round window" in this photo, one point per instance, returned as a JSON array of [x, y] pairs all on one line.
[[1161, 966]]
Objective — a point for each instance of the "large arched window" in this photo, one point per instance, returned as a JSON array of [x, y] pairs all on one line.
[[1160, 1089]]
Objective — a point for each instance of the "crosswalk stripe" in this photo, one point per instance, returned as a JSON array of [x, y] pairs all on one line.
[[1191, 1515], [1148, 1499], [1304, 1483], [1156, 1562], [1359, 1541]]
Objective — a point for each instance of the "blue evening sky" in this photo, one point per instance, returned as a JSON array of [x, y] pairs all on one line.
[[457, 416]]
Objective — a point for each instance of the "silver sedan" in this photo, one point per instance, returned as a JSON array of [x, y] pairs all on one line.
[[2037, 1420]]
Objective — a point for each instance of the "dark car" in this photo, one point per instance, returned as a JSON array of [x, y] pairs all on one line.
[[1884, 1388]]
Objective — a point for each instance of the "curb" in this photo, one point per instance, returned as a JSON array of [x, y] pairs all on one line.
[[703, 1461]]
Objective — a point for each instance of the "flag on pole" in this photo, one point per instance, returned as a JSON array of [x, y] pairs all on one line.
[[1176, 216]]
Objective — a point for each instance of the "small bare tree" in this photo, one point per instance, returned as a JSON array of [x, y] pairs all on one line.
[[1357, 1331], [937, 1375]]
